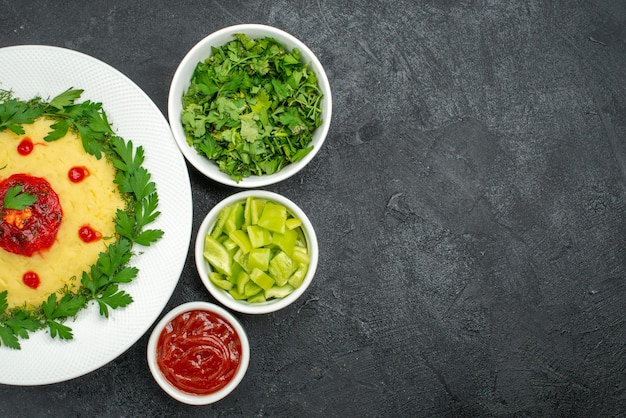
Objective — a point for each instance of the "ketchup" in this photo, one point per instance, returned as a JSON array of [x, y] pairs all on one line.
[[199, 352], [35, 227], [77, 174], [25, 147], [88, 234], [31, 279]]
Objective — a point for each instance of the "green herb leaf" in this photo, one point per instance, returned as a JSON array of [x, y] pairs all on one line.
[[125, 160], [110, 268], [132, 177], [58, 329], [147, 237], [49, 305], [146, 212], [67, 306], [22, 323], [3, 301], [8, 337], [117, 255], [16, 199], [140, 184], [103, 308], [59, 130], [125, 225], [113, 298], [89, 282], [87, 118], [125, 275], [66, 98], [14, 114], [90, 141]]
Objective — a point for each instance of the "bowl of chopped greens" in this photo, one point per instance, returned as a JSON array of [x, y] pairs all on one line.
[[256, 252], [250, 105]]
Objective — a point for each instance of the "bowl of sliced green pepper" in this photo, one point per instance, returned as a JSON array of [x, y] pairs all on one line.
[[256, 252], [250, 105]]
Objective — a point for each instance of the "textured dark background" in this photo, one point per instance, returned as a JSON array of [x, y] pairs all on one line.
[[469, 204]]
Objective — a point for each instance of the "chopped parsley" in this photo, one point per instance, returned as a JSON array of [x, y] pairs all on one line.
[[252, 107], [102, 283]]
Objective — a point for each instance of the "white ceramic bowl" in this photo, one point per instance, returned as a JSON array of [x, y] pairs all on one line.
[[223, 296], [181, 81], [170, 389]]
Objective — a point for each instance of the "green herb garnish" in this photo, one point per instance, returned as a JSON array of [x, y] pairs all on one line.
[[252, 107], [16, 199], [15, 113], [102, 283]]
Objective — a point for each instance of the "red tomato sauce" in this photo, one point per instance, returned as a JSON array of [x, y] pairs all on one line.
[[77, 174], [25, 146], [87, 234], [199, 352], [34, 228], [31, 279]]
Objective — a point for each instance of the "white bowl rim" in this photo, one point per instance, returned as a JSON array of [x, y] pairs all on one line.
[[263, 307], [182, 78], [176, 393]]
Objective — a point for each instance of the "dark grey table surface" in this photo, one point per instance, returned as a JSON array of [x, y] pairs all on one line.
[[469, 204]]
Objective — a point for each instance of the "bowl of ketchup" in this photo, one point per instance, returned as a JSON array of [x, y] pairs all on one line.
[[198, 353]]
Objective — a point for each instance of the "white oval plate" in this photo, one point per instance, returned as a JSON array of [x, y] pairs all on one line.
[[37, 70]]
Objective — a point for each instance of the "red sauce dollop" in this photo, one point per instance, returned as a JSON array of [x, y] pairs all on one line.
[[199, 352], [34, 228], [25, 147], [31, 279], [77, 174], [88, 234]]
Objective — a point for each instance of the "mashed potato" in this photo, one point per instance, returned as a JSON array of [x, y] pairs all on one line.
[[92, 202]]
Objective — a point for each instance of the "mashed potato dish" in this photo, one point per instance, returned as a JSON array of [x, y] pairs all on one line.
[[87, 198], [75, 198]]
